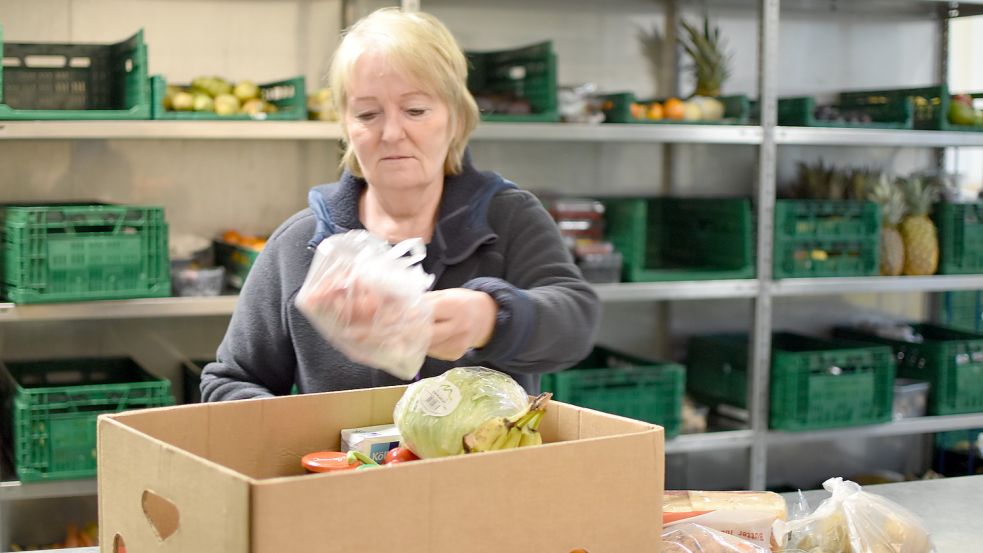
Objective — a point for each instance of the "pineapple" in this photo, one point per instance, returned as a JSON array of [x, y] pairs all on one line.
[[711, 64], [884, 192], [921, 240], [819, 182]]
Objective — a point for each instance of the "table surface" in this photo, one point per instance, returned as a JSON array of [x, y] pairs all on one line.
[[951, 508]]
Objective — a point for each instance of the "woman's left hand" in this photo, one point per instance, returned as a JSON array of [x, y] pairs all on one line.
[[462, 319]]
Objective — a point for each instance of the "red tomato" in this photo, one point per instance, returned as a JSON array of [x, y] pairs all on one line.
[[399, 455]]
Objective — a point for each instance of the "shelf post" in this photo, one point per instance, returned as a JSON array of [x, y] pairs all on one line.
[[759, 361]]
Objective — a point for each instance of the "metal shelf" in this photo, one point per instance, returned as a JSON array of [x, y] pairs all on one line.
[[809, 136], [849, 285], [119, 309], [617, 132], [685, 290], [551, 132], [170, 130], [14, 490], [917, 425], [710, 441]]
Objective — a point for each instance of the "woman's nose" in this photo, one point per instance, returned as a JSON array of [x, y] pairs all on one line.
[[392, 129]]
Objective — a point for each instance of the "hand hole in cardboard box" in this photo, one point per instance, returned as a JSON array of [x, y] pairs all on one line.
[[118, 545], [161, 513]]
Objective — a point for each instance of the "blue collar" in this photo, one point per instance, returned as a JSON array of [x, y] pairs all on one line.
[[462, 225]]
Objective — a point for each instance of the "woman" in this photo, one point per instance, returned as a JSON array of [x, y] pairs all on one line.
[[506, 294]]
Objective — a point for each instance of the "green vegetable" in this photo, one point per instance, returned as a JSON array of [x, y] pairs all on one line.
[[435, 414]]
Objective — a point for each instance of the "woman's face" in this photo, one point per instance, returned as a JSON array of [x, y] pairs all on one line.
[[399, 132]]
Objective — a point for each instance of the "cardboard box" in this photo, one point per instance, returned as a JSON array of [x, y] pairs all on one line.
[[226, 478]]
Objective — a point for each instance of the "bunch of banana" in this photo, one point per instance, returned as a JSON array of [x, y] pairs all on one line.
[[519, 430]]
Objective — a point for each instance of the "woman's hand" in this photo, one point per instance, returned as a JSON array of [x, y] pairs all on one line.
[[463, 319]]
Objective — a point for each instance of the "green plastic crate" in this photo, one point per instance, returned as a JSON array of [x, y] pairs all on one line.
[[671, 239], [54, 404], [624, 385], [960, 237], [893, 113], [237, 260], [962, 310], [617, 109], [950, 360], [288, 96], [92, 81], [527, 73], [931, 105], [86, 251], [814, 383], [826, 238]]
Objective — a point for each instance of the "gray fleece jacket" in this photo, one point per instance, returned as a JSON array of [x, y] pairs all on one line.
[[490, 236]]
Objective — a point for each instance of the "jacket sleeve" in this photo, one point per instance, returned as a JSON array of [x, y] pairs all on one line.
[[256, 358], [548, 314]]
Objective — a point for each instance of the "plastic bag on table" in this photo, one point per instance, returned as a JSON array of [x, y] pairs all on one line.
[[855, 521], [694, 538], [366, 298]]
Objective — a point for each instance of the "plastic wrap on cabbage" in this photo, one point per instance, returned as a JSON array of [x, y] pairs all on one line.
[[435, 414]]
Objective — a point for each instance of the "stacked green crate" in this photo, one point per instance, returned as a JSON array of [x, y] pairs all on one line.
[[814, 383], [53, 406], [961, 310], [72, 252], [625, 385], [932, 105], [524, 75], [288, 96], [800, 111], [950, 360], [960, 237], [826, 238], [671, 239], [95, 81], [617, 109]]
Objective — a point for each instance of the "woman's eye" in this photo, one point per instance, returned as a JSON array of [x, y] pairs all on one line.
[[416, 112], [365, 116]]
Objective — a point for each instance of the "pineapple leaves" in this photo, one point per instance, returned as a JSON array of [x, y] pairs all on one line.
[[710, 63]]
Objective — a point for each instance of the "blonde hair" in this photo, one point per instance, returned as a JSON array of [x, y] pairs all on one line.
[[420, 45]]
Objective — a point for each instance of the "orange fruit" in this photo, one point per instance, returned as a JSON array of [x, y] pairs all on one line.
[[674, 108], [231, 236], [655, 111], [637, 111]]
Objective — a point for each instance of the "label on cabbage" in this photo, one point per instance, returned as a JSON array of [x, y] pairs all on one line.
[[439, 398]]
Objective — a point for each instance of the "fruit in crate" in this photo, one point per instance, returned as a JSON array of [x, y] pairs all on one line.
[[218, 96], [885, 192], [710, 62], [674, 109], [833, 114], [320, 106], [251, 241], [245, 90], [961, 110], [921, 240]]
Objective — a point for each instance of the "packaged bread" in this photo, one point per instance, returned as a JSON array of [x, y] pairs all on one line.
[[757, 517], [693, 538]]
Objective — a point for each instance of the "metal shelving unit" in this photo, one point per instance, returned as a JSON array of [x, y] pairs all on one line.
[[12, 490], [513, 132], [767, 137]]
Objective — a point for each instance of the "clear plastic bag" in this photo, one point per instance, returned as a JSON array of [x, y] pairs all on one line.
[[366, 298], [855, 521], [694, 538]]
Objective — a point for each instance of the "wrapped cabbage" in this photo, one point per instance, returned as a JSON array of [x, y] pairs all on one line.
[[435, 414]]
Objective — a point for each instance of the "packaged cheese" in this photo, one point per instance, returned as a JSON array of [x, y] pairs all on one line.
[[758, 517], [373, 441]]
